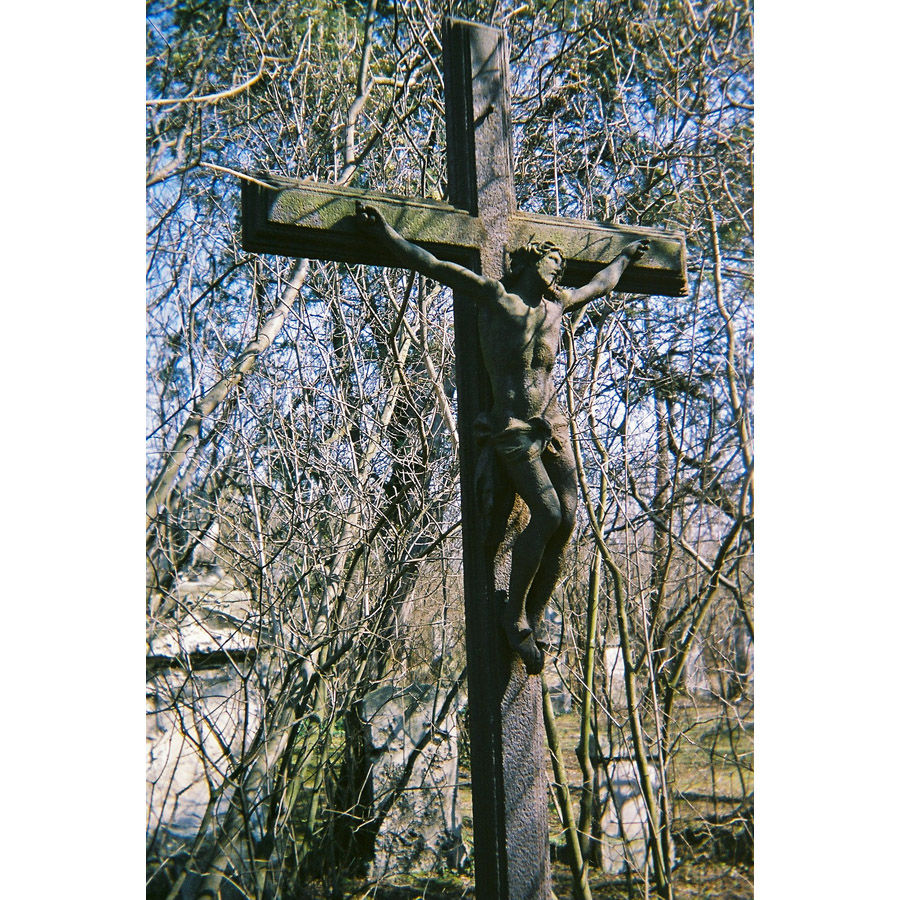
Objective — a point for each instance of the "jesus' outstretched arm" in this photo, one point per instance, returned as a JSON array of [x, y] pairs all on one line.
[[607, 278], [420, 260]]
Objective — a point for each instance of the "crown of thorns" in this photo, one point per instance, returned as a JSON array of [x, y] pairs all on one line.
[[530, 253]]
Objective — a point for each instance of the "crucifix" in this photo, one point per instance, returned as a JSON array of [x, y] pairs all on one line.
[[509, 271]]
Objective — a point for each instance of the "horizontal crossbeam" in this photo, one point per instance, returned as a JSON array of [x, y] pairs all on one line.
[[588, 247], [296, 218], [317, 220]]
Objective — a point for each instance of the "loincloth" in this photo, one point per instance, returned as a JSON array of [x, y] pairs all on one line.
[[518, 439]]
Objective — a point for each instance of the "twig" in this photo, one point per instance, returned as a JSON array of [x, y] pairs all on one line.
[[212, 98]]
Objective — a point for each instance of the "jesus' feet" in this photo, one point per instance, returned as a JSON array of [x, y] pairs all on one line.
[[521, 639]]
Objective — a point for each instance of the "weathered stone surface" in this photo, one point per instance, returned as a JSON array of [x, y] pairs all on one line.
[[186, 712], [512, 847], [589, 246], [196, 698], [422, 829], [319, 220], [215, 617], [624, 822], [296, 217]]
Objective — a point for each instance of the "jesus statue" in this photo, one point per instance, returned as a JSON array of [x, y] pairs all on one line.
[[524, 431]]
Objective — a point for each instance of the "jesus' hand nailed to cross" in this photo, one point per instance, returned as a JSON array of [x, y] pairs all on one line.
[[519, 322]]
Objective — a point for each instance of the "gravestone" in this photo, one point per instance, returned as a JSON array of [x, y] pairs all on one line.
[[696, 675], [413, 761], [740, 670], [624, 821], [555, 675], [614, 676], [197, 672]]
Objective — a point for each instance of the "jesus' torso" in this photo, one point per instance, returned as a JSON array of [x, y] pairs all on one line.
[[519, 345]]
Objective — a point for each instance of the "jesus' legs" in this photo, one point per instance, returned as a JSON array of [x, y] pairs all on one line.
[[533, 484], [560, 467]]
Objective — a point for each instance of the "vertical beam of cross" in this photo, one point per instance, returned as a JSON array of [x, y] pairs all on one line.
[[509, 792]]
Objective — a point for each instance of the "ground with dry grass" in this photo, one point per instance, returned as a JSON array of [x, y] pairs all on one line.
[[713, 821]]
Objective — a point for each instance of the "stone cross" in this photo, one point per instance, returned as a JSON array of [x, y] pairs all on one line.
[[478, 228]]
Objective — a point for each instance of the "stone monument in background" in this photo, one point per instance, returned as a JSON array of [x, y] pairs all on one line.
[[413, 752]]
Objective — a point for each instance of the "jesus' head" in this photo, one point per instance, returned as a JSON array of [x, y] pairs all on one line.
[[545, 257]]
